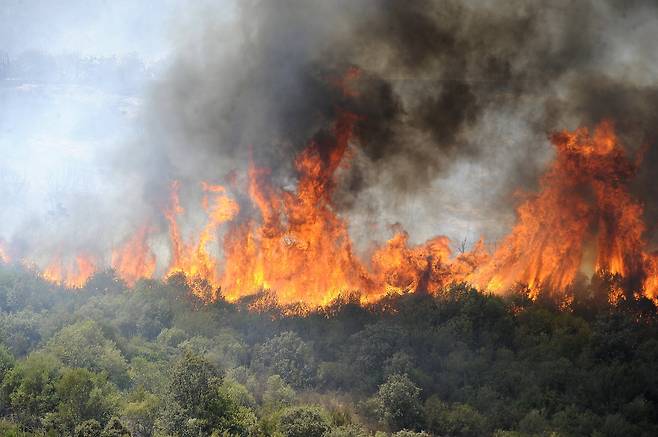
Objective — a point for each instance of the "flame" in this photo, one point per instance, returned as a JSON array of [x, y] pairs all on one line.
[[583, 197], [650, 283], [193, 258], [71, 274], [400, 268], [300, 247], [4, 256], [134, 259], [295, 245]]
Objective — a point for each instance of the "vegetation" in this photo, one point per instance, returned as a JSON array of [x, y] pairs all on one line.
[[154, 360]]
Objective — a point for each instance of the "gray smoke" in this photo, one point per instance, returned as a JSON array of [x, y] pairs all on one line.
[[456, 98], [455, 101]]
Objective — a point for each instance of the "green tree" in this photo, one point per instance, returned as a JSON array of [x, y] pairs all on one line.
[[201, 403], [303, 422], [397, 403], [151, 375], [83, 344], [88, 428], [29, 389], [369, 348], [115, 428], [194, 382], [20, 331], [533, 423], [459, 420], [140, 411], [277, 393], [7, 362], [407, 433], [82, 396], [289, 356], [347, 431]]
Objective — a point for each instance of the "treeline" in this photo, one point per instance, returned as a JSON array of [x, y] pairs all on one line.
[[154, 360]]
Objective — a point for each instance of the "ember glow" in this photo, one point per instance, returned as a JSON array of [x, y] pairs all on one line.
[[295, 244]]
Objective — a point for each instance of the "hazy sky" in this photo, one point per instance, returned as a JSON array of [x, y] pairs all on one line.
[[54, 131], [89, 27]]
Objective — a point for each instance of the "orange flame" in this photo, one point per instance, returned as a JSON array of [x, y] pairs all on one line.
[[295, 244], [193, 259], [583, 198], [134, 259], [72, 274], [301, 248]]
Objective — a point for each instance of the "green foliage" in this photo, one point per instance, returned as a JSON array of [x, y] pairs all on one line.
[[194, 383], [7, 361], [150, 375], [306, 421], [29, 389], [83, 344], [8, 429], [115, 428], [370, 348], [88, 428], [347, 431], [407, 433], [278, 394], [82, 396], [397, 403], [140, 411], [461, 363], [20, 331], [289, 356], [459, 420], [202, 403]]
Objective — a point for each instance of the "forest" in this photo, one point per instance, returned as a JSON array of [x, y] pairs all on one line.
[[156, 360]]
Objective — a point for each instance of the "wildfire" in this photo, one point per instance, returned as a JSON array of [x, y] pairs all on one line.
[[300, 248], [73, 274], [134, 259], [193, 258], [583, 199], [4, 256], [294, 243]]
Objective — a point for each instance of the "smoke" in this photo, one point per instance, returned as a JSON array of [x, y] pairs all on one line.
[[455, 99]]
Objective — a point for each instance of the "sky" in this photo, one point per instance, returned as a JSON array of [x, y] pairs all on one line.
[[80, 71], [88, 27]]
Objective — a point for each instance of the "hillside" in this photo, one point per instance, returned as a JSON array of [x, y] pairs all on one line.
[[155, 360]]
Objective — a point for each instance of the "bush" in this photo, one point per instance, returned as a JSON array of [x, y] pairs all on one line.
[[347, 431], [115, 428], [397, 403], [84, 345], [88, 428], [407, 433], [288, 356], [303, 422], [459, 420]]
